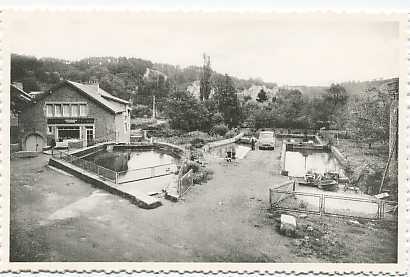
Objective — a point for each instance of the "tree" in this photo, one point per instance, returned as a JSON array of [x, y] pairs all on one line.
[[30, 84], [369, 116], [336, 95], [289, 108], [186, 112], [217, 118], [205, 82], [262, 96], [227, 99]]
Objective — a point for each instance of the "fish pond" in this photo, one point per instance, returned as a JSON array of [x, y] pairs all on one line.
[[298, 162], [148, 170]]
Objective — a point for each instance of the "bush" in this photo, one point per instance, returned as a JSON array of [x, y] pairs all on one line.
[[162, 131], [231, 133], [194, 166], [141, 111], [197, 142], [220, 129], [202, 176], [217, 118]]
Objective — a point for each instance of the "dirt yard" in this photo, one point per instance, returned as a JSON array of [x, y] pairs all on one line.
[[57, 217]]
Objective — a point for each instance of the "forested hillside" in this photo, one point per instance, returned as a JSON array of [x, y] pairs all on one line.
[[121, 76]]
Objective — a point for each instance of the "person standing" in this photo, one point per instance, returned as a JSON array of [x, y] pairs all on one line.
[[253, 142], [53, 144]]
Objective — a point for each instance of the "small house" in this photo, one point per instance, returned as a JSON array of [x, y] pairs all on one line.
[[74, 114]]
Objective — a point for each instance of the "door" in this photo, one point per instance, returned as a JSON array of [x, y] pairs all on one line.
[[90, 135], [34, 143]]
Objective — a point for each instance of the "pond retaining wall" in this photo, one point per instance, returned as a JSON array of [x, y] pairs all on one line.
[[141, 200], [333, 149], [222, 142]]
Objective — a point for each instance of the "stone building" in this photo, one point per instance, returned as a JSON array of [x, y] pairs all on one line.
[[76, 114]]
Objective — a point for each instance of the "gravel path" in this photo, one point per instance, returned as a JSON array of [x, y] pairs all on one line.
[[57, 217]]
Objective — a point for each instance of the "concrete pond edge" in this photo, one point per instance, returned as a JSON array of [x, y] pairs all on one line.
[[139, 199]]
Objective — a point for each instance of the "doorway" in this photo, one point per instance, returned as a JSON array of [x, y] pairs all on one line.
[[34, 143]]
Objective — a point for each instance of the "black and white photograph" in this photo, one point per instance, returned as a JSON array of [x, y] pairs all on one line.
[[226, 138]]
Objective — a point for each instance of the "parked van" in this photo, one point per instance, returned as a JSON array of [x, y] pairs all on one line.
[[266, 140]]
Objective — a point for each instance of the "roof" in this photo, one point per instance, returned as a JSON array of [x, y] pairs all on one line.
[[19, 93], [19, 98], [36, 94], [105, 99]]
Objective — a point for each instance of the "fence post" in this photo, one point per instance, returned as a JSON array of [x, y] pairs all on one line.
[[116, 177], [98, 170], [270, 198], [380, 209], [322, 205]]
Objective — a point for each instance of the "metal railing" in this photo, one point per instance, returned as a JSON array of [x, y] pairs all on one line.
[[146, 173], [322, 204], [185, 183], [100, 171], [114, 176]]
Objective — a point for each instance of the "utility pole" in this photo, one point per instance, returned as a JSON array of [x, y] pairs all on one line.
[[204, 87], [153, 106], [153, 99]]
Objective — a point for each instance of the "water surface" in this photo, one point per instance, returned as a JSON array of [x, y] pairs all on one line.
[[297, 163], [134, 165]]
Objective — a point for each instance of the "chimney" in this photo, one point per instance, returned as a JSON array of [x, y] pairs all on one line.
[[94, 84], [18, 85]]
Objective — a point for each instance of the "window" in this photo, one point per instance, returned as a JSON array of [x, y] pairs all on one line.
[[66, 110], [57, 112], [83, 110], [68, 132], [49, 110], [125, 127], [49, 130], [75, 110]]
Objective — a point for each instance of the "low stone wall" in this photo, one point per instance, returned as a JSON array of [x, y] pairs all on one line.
[[339, 156], [175, 149], [24, 154], [335, 151], [222, 142], [300, 136], [169, 148], [91, 149], [14, 147]]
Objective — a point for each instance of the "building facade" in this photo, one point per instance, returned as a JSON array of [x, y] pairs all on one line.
[[19, 100], [74, 113]]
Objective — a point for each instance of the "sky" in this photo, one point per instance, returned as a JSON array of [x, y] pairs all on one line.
[[287, 50]]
